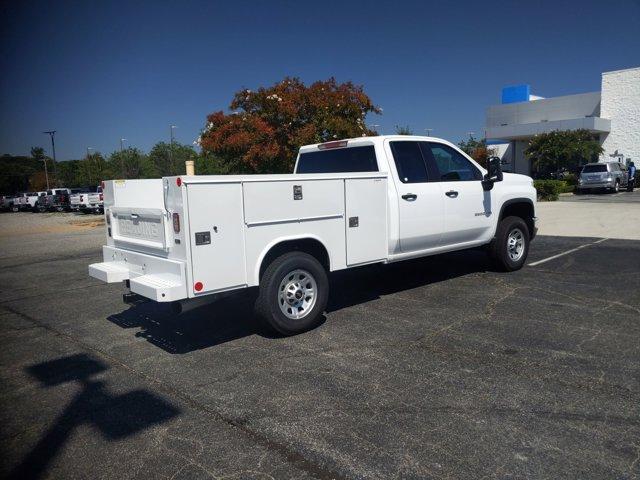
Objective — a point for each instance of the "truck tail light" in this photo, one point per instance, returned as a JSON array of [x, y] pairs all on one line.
[[101, 197], [176, 223], [81, 197], [102, 184]]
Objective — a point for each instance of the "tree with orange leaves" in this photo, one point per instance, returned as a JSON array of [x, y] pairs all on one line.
[[267, 127]]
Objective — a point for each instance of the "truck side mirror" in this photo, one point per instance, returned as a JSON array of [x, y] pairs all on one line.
[[494, 173]]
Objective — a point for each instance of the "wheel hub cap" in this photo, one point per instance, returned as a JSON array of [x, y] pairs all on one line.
[[515, 244], [297, 294]]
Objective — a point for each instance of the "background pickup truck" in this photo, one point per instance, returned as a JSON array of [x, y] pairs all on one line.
[[88, 199], [31, 201], [349, 203], [57, 199]]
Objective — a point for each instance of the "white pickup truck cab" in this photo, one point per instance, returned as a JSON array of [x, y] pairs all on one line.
[[350, 202]]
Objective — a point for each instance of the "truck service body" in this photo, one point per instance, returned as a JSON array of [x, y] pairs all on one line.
[[402, 197]]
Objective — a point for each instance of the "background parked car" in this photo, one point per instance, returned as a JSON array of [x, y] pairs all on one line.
[[89, 199], [602, 176], [94, 201], [18, 201], [6, 202], [56, 199], [30, 201]]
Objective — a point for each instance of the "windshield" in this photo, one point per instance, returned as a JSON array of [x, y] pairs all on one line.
[[594, 169]]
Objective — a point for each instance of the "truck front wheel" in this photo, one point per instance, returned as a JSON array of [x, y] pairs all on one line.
[[510, 246], [293, 293]]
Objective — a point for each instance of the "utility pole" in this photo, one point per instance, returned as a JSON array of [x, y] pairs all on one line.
[[428, 130], [171, 148], [46, 174], [89, 164], [122, 140], [52, 134], [374, 127]]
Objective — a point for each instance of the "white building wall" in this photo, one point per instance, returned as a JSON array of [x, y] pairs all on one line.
[[621, 104]]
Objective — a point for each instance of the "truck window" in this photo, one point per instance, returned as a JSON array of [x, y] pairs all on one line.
[[409, 162], [451, 166], [353, 159]]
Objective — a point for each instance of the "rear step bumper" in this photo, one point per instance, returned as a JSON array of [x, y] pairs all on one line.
[[155, 278]]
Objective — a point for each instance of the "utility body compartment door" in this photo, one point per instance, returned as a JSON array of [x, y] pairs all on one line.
[[216, 236], [366, 219]]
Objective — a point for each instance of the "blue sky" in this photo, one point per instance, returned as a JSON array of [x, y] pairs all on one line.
[[99, 71]]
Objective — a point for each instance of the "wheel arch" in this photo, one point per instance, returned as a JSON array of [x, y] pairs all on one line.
[[519, 207], [310, 244]]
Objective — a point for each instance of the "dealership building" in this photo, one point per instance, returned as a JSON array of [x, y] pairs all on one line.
[[612, 115]]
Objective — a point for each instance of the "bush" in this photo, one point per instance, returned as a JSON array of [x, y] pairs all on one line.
[[550, 189], [571, 179]]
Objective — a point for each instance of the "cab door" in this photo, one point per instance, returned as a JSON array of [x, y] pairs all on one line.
[[467, 207], [420, 201]]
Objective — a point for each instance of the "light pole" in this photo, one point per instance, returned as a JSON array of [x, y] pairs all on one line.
[[428, 130], [374, 127], [471, 134], [52, 134], [171, 127]]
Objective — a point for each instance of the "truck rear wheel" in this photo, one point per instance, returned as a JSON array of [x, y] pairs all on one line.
[[510, 246], [293, 293]]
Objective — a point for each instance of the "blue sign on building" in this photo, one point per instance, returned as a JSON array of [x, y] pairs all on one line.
[[516, 93]]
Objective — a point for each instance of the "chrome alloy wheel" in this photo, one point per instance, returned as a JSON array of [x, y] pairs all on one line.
[[297, 294], [515, 244]]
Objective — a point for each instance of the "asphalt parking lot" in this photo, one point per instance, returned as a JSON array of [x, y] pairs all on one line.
[[435, 368]]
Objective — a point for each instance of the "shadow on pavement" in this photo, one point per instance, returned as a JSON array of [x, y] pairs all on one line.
[[115, 416], [232, 317], [360, 285], [225, 320]]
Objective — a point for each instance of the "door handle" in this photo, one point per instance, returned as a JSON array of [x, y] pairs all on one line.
[[409, 197], [451, 194]]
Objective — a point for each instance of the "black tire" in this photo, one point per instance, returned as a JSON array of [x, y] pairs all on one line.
[[269, 301], [499, 250]]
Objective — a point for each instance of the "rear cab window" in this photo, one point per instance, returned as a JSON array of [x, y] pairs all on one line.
[[339, 160], [410, 164], [594, 168]]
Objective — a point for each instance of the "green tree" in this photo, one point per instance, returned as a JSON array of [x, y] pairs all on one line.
[[37, 153], [477, 149], [168, 159], [92, 170], [403, 130], [268, 126], [209, 164], [559, 149], [131, 163]]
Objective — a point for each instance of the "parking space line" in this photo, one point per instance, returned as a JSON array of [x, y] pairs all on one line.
[[533, 264]]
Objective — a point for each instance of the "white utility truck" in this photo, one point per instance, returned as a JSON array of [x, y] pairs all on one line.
[[349, 203]]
